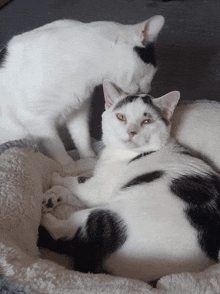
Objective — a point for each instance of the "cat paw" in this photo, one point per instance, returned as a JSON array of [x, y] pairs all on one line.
[[55, 196], [52, 224]]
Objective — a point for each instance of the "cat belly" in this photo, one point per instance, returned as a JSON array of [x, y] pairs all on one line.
[[197, 126], [160, 241]]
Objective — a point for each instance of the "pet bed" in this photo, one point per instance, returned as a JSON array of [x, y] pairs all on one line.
[[25, 173]]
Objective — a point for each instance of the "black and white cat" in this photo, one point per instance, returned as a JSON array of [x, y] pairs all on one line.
[[154, 208], [47, 76]]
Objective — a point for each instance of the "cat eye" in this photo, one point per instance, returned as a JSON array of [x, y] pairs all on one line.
[[147, 121], [121, 117]]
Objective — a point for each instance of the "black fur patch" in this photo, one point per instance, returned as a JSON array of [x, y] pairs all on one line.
[[141, 155], [49, 203], [202, 194], [82, 180], [145, 178], [3, 54], [147, 99], [147, 54], [104, 234], [126, 100]]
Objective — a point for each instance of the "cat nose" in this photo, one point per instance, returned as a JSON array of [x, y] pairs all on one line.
[[131, 134]]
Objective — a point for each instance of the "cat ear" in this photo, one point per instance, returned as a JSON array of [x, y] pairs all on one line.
[[149, 30], [168, 103], [110, 93]]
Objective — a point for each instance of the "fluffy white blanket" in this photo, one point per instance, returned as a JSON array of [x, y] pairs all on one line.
[[24, 176]]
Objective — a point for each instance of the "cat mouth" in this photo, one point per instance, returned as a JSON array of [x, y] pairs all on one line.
[[130, 143]]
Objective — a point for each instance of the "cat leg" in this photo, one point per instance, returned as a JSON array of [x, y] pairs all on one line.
[[55, 147], [79, 130], [88, 190], [64, 228], [58, 195]]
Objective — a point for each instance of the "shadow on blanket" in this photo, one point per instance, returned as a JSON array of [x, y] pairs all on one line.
[[25, 174]]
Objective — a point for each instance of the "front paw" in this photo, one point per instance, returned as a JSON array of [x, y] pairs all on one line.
[[48, 221], [52, 224], [55, 196]]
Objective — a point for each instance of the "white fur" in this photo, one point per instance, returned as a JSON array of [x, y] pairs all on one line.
[[161, 239], [50, 73], [197, 126]]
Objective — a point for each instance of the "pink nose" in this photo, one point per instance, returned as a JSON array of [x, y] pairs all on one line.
[[131, 134]]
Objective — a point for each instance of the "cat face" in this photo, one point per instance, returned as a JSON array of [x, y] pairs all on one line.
[[133, 51], [137, 122]]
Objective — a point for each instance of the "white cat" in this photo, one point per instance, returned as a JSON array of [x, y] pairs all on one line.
[[47, 76], [197, 126], [154, 207]]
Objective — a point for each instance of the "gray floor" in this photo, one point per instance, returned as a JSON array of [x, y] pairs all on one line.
[[188, 47]]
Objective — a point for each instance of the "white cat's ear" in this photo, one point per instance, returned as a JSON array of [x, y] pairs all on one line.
[[168, 103], [110, 93], [148, 31]]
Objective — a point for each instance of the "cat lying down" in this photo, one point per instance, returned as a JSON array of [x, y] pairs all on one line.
[[153, 207]]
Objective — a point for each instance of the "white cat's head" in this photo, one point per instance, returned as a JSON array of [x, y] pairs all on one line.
[[131, 59], [137, 122]]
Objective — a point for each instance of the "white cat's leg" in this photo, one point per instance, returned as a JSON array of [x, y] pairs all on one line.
[[55, 148], [88, 190], [51, 141], [58, 195], [79, 130]]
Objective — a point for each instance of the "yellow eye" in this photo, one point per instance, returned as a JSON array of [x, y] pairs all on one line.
[[121, 117], [146, 121]]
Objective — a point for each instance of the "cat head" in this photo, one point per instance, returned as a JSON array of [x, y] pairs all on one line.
[[137, 122], [132, 64]]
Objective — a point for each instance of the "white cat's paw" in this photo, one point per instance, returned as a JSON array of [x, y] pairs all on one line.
[[52, 224], [48, 221], [55, 196]]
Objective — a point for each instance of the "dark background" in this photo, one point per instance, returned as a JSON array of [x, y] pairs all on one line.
[[188, 47]]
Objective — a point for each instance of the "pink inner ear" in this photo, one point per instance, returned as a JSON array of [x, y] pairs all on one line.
[[168, 103], [139, 32], [108, 101], [110, 93]]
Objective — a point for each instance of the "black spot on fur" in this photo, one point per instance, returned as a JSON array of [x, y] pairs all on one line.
[[141, 155], [3, 54], [195, 189], [126, 100], [49, 203], [147, 54], [145, 178], [147, 99], [82, 180], [104, 233], [202, 195]]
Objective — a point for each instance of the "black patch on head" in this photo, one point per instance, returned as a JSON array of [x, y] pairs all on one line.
[[147, 99], [147, 54], [145, 178], [202, 195], [141, 155], [3, 54], [126, 100]]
